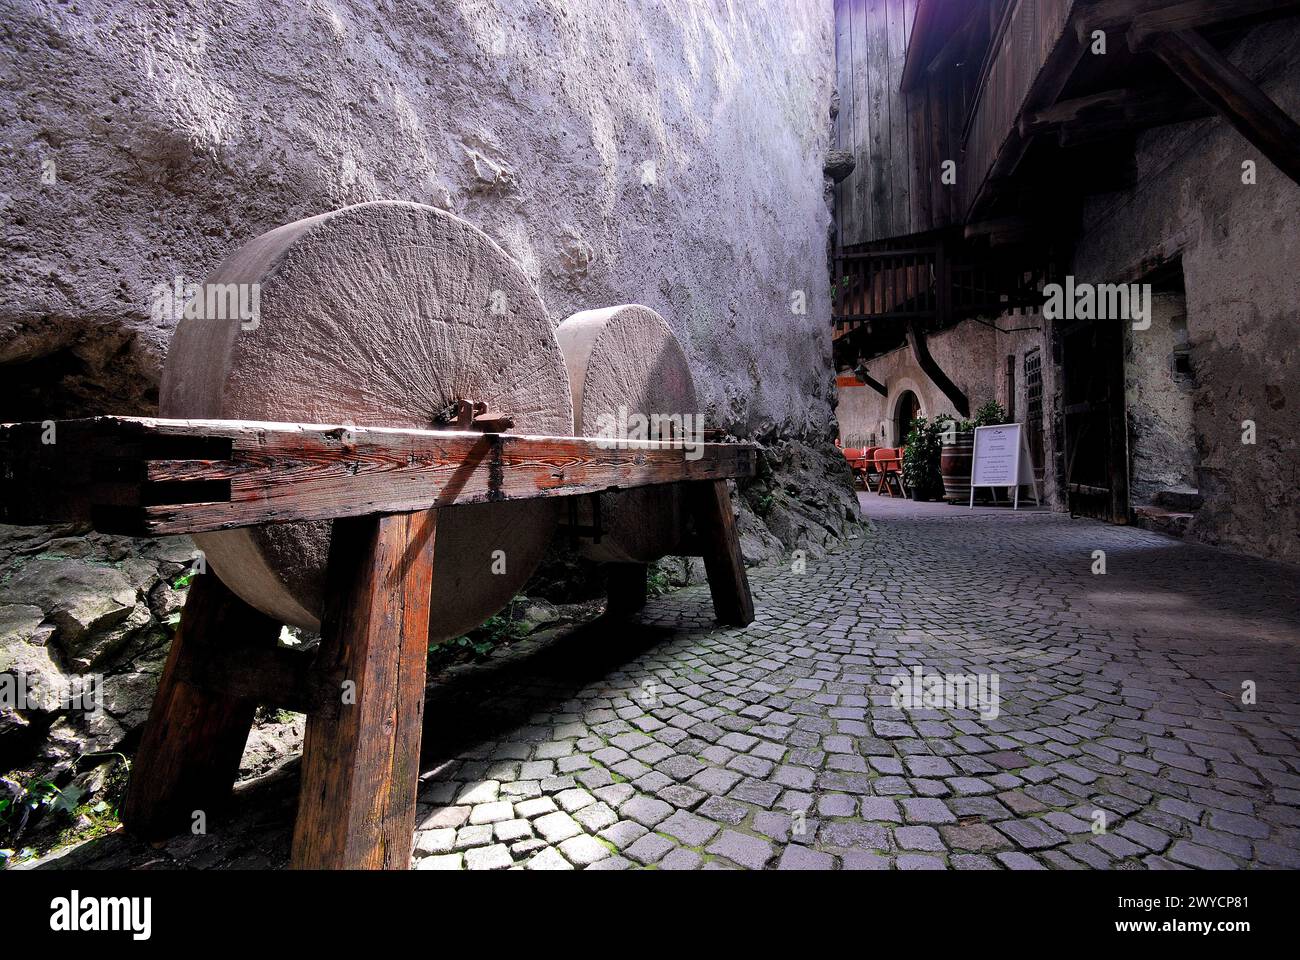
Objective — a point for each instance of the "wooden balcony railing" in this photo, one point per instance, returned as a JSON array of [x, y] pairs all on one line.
[[939, 283]]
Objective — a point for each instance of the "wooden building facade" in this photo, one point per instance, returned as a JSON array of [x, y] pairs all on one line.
[[981, 131]]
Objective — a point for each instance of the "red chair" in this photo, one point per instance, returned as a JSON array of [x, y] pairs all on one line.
[[866, 466], [889, 464], [859, 462]]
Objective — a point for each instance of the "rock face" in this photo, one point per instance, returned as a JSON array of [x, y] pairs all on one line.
[[839, 164], [668, 155], [75, 607], [663, 154]]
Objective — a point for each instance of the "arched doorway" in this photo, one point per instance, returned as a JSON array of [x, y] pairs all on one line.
[[906, 409]]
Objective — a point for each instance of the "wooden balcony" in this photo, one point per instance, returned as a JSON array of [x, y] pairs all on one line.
[[1033, 53], [1041, 93]]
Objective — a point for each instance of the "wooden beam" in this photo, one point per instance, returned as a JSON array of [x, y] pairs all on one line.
[[1142, 19], [1196, 14], [871, 382], [1208, 74], [957, 40], [1001, 230], [1111, 112], [1086, 132], [147, 477], [924, 360], [361, 752], [917, 41], [1111, 341]]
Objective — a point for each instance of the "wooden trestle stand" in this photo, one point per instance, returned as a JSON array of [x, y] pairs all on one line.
[[363, 689]]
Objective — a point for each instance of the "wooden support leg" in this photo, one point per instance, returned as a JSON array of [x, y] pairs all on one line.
[[626, 584], [190, 751], [356, 808], [720, 546]]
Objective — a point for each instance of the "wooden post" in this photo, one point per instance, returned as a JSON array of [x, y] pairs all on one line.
[[190, 751], [1113, 337], [361, 753], [716, 528], [626, 587]]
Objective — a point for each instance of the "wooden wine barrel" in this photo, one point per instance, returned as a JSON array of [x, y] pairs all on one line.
[[380, 314], [955, 465]]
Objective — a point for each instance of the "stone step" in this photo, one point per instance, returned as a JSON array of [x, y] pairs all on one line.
[[1179, 500], [1169, 522]]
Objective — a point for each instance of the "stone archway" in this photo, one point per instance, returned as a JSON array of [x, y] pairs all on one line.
[[906, 408]]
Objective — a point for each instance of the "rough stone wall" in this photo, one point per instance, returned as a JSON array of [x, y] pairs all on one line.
[[1162, 429], [1238, 247], [665, 154]]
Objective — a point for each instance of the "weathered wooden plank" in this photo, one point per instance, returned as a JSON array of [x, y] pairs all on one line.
[[273, 473], [189, 753], [900, 155], [941, 148], [866, 171], [720, 546], [879, 94], [361, 752], [922, 217], [845, 210], [1221, 84]]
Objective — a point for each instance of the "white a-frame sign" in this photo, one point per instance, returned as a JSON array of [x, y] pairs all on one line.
[[1001, 459]]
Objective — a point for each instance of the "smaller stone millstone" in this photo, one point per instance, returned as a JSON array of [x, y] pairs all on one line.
[[625, 364]]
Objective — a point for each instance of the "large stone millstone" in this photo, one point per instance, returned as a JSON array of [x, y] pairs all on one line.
[[380, 314], [624, 361]]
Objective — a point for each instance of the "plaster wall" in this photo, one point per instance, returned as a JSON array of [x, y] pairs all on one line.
[[1237, 244]]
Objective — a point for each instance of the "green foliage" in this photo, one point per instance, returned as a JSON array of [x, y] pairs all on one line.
[[990, 414], [36, 798], [921, 471], [657, 581], [497, 631]]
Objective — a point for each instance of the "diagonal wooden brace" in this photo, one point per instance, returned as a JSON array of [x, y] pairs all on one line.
[[190, 750]]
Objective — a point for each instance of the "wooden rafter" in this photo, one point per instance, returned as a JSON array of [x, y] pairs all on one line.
[[1143, 19], [1209, 74], [1111, 112], [925, 360]]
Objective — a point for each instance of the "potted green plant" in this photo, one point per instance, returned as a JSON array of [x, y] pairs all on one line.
[[958, 449], [921, 473]]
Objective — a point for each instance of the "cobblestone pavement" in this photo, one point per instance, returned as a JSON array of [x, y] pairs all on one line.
[[673, 744], [777, 745]]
